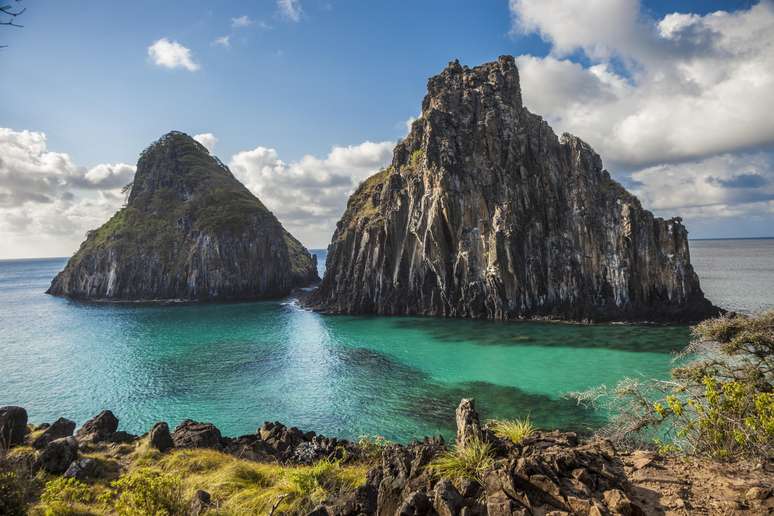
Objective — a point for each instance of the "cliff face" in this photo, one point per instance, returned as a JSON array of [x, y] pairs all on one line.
[[486, 213], [189, 231]]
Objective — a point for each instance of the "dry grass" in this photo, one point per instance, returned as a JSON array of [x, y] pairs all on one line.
[[515, 430], [470, 462], [152, 481]]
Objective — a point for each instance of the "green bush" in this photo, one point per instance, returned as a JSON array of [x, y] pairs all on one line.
[[719, 401], [149, 492], [470, 462], [371, 447], [12, 495]]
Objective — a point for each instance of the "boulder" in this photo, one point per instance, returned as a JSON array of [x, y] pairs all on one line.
[[57, 456], [446, 499], [200, 502], [468, 425], [160, 438], [13, 426], [191, 434], [62, 427], [121, 437], [83, 469], [415, 504], [618, 502], [99, 428]]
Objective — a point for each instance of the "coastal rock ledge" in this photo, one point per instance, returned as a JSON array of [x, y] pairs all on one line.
[[486, 213], [189, 231]]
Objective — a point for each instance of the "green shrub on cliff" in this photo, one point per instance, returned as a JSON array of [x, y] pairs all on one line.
[[64, 496], [719, 401], [149, 491], [12, 499]]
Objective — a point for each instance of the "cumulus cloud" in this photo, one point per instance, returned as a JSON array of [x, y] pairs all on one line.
[[241, 21], [310, 194], [290, 9], [171, 54], [682, 87], [209, 140], [717, 186], [47, 202]]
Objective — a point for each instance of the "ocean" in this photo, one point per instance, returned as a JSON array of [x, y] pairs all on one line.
[[238, 365]]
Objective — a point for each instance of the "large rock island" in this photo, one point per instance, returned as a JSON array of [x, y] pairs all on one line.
[[189, 231], [486, 213]]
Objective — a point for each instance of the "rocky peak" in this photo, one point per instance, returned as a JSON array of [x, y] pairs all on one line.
[[457, 84], [486, 213], [466, 111], [167, 164]]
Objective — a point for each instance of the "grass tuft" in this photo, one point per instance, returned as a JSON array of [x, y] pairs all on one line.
[[470, 462], [515, 430]]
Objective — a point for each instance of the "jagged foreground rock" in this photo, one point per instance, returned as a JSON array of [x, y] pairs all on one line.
[[189, 231], [485, 213], [547, 473]]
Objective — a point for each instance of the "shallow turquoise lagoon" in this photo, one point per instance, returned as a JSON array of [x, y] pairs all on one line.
[[238, 365]]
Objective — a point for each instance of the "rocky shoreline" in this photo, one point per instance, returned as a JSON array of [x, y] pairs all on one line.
[[546, 473]]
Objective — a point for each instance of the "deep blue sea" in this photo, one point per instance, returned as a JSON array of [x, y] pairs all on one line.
[[238, 365]]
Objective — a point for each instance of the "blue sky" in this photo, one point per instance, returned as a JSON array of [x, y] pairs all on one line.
[[300, 79]]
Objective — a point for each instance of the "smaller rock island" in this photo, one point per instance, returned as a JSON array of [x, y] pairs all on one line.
[[190, 231]]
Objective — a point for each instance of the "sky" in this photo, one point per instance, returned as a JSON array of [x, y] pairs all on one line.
[[303, 99]]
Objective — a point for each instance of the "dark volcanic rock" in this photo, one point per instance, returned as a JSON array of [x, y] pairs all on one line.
[[13, 426], [99, 428], [83, 469], [190, 434], [486, 213], [200, 503], [160, 438], [189, 231], [62, 427], [57, 456], [468, 424]]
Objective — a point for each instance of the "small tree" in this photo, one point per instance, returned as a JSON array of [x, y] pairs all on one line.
[[719, 401]]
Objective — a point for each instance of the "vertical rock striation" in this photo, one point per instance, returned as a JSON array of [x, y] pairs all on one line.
[[486, 213], [189, 231]]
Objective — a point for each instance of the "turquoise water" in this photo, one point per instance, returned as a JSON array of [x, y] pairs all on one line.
[[238, 365]]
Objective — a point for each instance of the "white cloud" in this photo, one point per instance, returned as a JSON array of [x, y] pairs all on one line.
[[47, 202], [683, 87], [223, 41], [106, 176], [171, 54], [241, 22], [309, 195], [717, 186], [291, 9], [209, 140]]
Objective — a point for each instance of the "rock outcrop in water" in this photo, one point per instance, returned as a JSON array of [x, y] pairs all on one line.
[[486, 213], [190, 231]]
